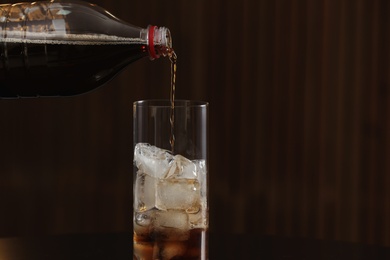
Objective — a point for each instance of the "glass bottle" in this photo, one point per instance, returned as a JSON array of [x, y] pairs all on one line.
[[64, 48]]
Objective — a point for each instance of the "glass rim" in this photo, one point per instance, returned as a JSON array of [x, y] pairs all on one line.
[[167, 103]]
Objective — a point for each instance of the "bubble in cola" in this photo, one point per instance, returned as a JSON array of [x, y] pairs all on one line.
[[170, 204]]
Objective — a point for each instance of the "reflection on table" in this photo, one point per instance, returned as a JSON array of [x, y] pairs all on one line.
[[222, 246]]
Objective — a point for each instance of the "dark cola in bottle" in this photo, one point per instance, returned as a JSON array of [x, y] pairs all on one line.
[[64, 48]]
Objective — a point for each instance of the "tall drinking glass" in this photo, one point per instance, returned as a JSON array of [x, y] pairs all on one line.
[[170, 179]]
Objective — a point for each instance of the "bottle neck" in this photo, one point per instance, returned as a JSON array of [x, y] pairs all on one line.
[[158, 40]]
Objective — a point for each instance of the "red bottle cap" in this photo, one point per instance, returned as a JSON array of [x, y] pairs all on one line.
[[152, 50]]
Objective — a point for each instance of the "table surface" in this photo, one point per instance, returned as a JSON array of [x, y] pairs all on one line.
[[222, 246]]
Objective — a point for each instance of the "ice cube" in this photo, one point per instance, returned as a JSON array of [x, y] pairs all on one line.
[[152, 160], [143, 222], [144, 192], [173, 250], [182, 168], [172, 225], [201, 172], [183, 194], [199, 219]]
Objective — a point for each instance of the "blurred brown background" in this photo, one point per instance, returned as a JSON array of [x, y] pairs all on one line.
[[299, 134]]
